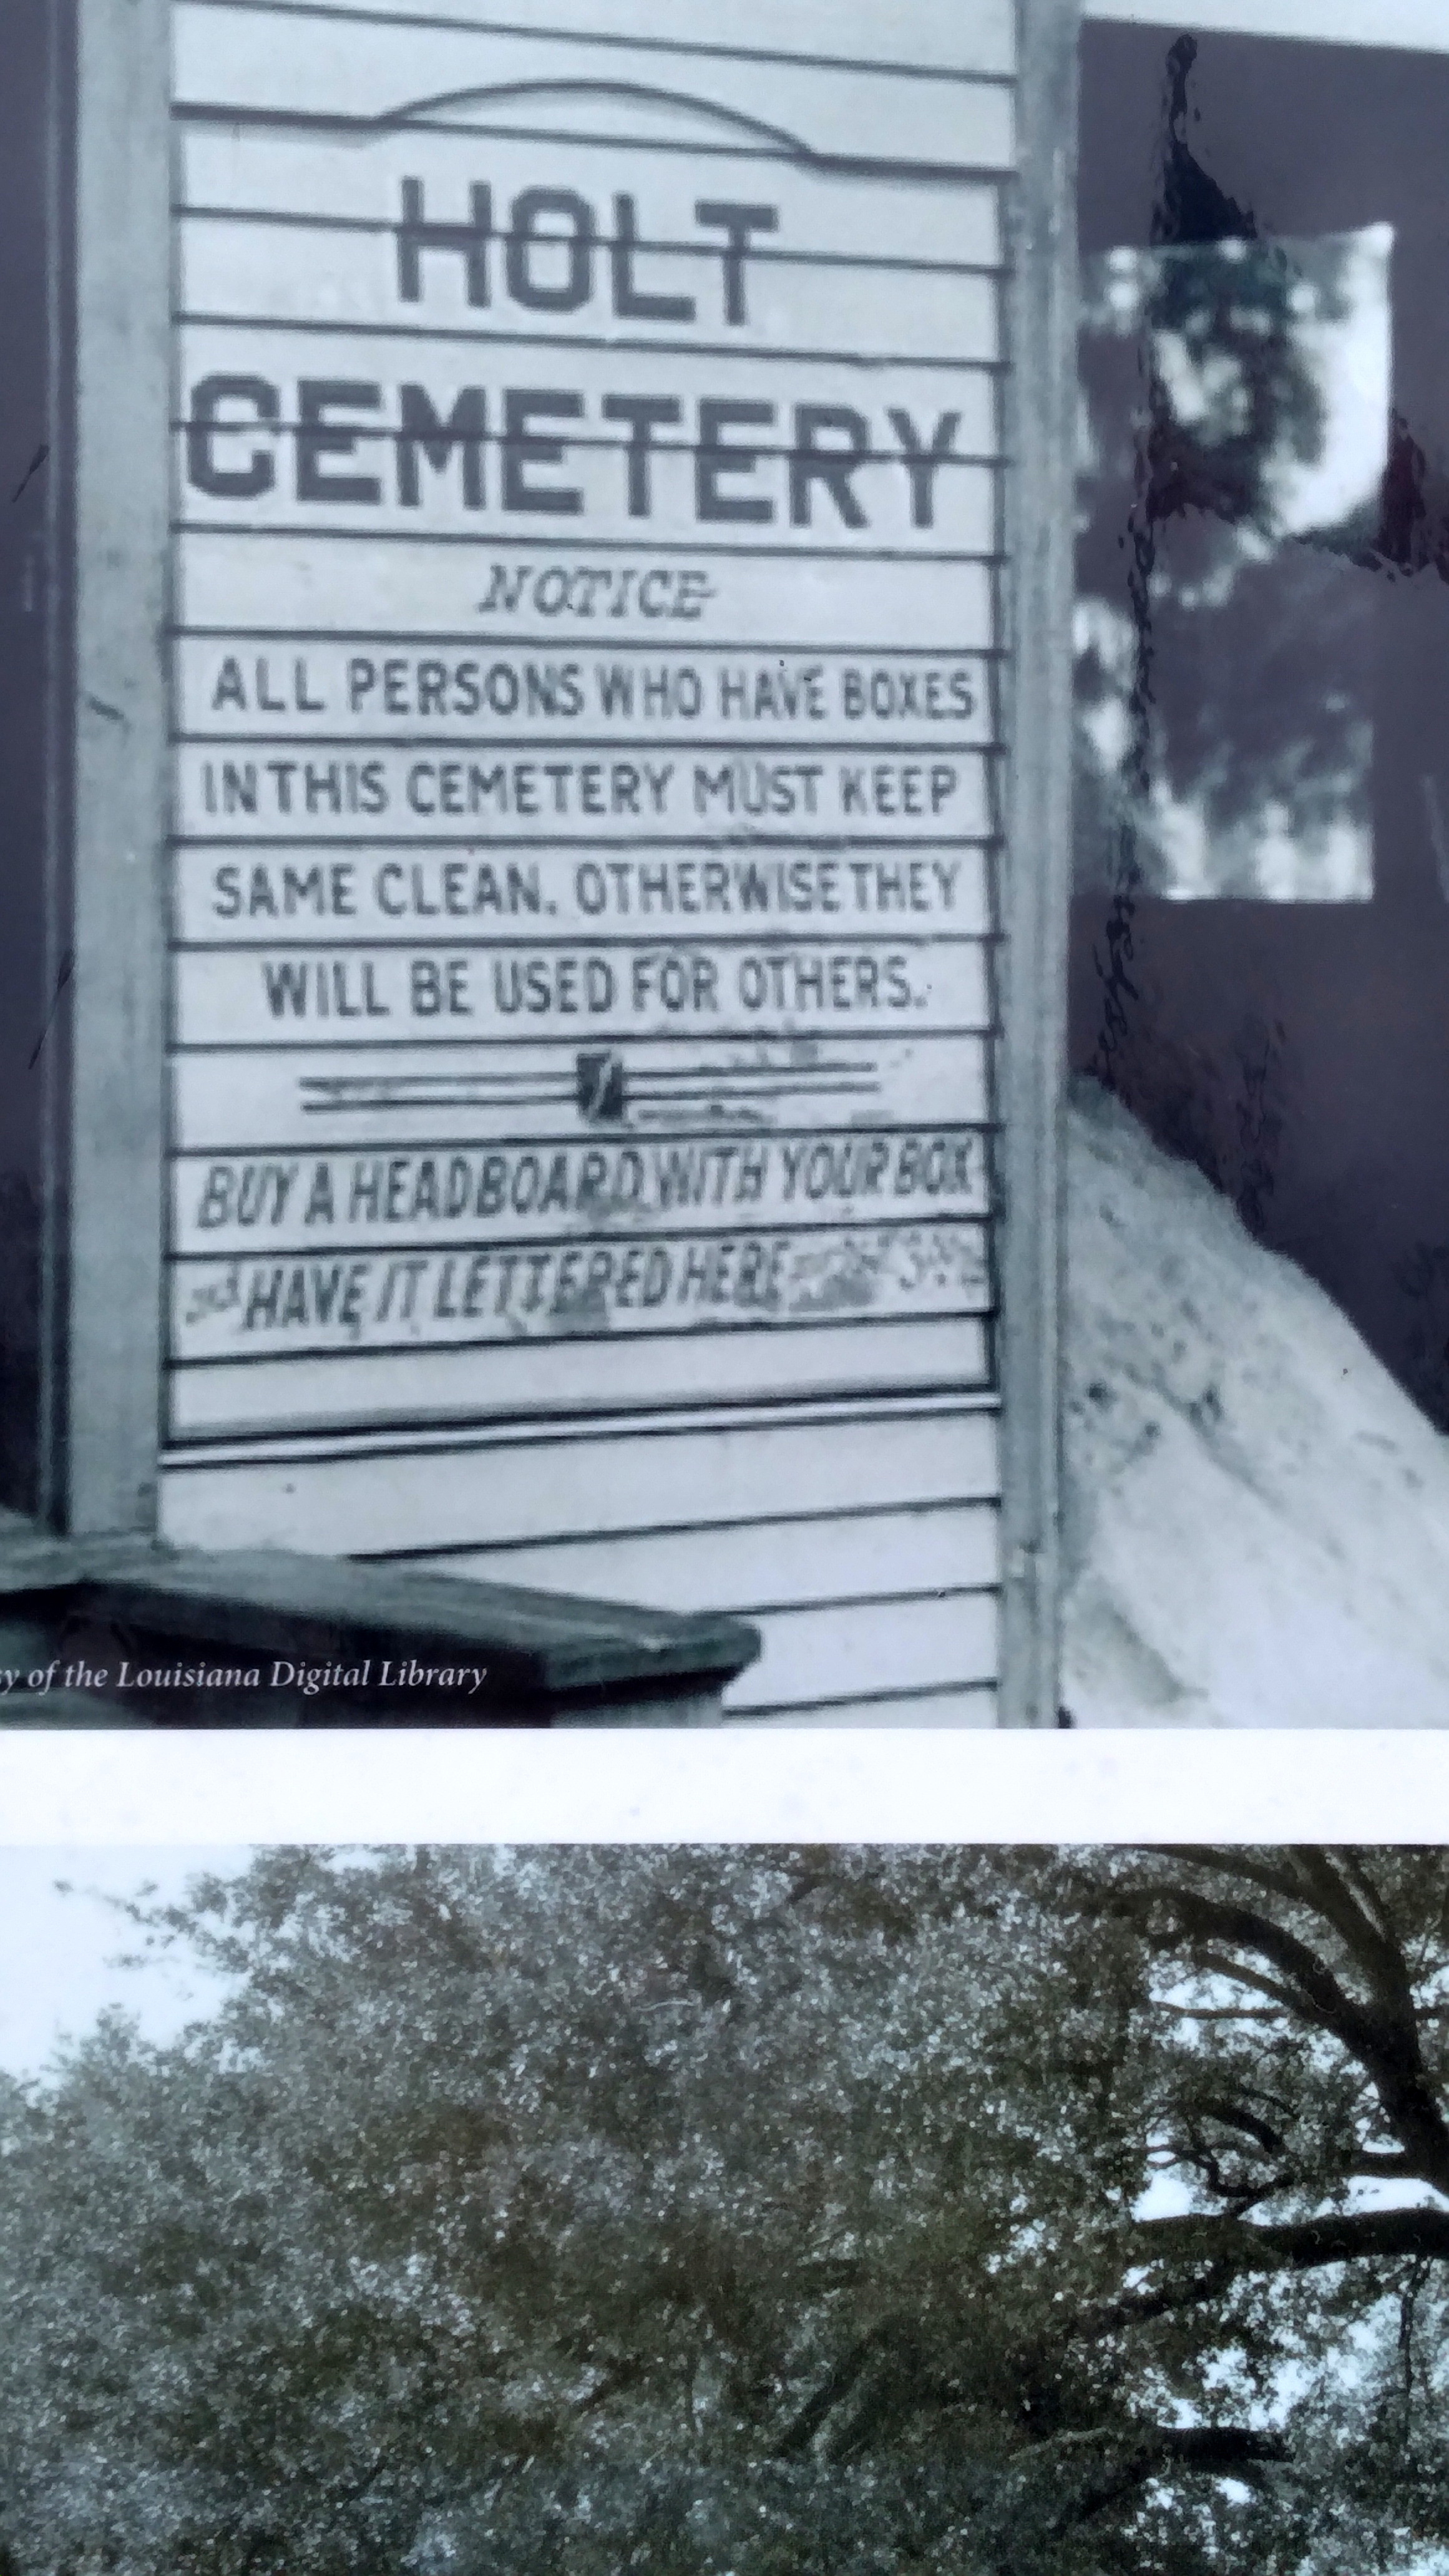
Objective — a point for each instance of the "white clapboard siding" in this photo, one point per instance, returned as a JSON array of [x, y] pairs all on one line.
[[229, 56], [851, 1650], [794, 1419], [574, 1376], [235, 270], [232, 583], [763, 1565], [862, 223], [929, 35], [450, 1490], [638, 693]]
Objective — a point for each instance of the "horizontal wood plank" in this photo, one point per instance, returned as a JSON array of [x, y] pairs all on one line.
[[823, 214], [231, 687], [306, 274], [635, 1477], [762, 1566], [275, 1396], [484, 792], [323, 1203], [310, 432], [931, 35], [300, 1306], [853, 1650], [298, 893], [416, 997], [270, 1100], [409, 589], [242, 60]]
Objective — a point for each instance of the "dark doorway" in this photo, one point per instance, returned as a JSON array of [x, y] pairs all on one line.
[[1299, 1051]]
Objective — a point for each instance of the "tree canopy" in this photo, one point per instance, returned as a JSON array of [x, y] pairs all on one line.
[[760, 2213]]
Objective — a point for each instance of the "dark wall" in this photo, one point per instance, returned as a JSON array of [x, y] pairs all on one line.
[[1300, 1053], [28, 554]]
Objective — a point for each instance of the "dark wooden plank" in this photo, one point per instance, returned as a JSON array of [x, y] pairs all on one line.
[[538, 1647]]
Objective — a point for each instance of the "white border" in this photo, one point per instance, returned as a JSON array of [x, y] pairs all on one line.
[[1421, 26], [726, 1786]]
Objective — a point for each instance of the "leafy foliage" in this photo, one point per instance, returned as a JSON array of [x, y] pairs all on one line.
[[777, 2212]]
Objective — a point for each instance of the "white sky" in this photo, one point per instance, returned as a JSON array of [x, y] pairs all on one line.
[[56, 1950]]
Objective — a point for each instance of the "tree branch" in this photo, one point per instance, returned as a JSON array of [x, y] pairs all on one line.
[[798, 2435], [1384, 2043], [1305, 2244], [1217, 2450]]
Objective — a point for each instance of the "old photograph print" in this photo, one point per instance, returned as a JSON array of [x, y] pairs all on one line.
[[506, 1042], [701, 2212], [725, 865]]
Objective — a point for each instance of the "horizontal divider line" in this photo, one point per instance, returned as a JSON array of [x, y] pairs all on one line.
[[512, 1045], [432, 639], [553, 1101], [743, 1714], [923, 941], [558, 1083], [663, 1226], [194, 210], [479, 337], [288, 635], [237, 113], [380, 435], [630, 45], [807, 1519], [440, 1434], [311, 1151], [862, 1601], [314, 1356], [479, 843], [923, 561], [748, 747]]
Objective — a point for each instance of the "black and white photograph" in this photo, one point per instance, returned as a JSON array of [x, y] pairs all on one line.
[[518, 599], [726, 865]]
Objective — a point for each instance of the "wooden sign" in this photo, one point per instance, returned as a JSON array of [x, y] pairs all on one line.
[[597, 888]]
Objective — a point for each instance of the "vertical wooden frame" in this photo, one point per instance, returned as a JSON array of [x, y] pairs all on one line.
[[1041, 438], [113, 744]]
